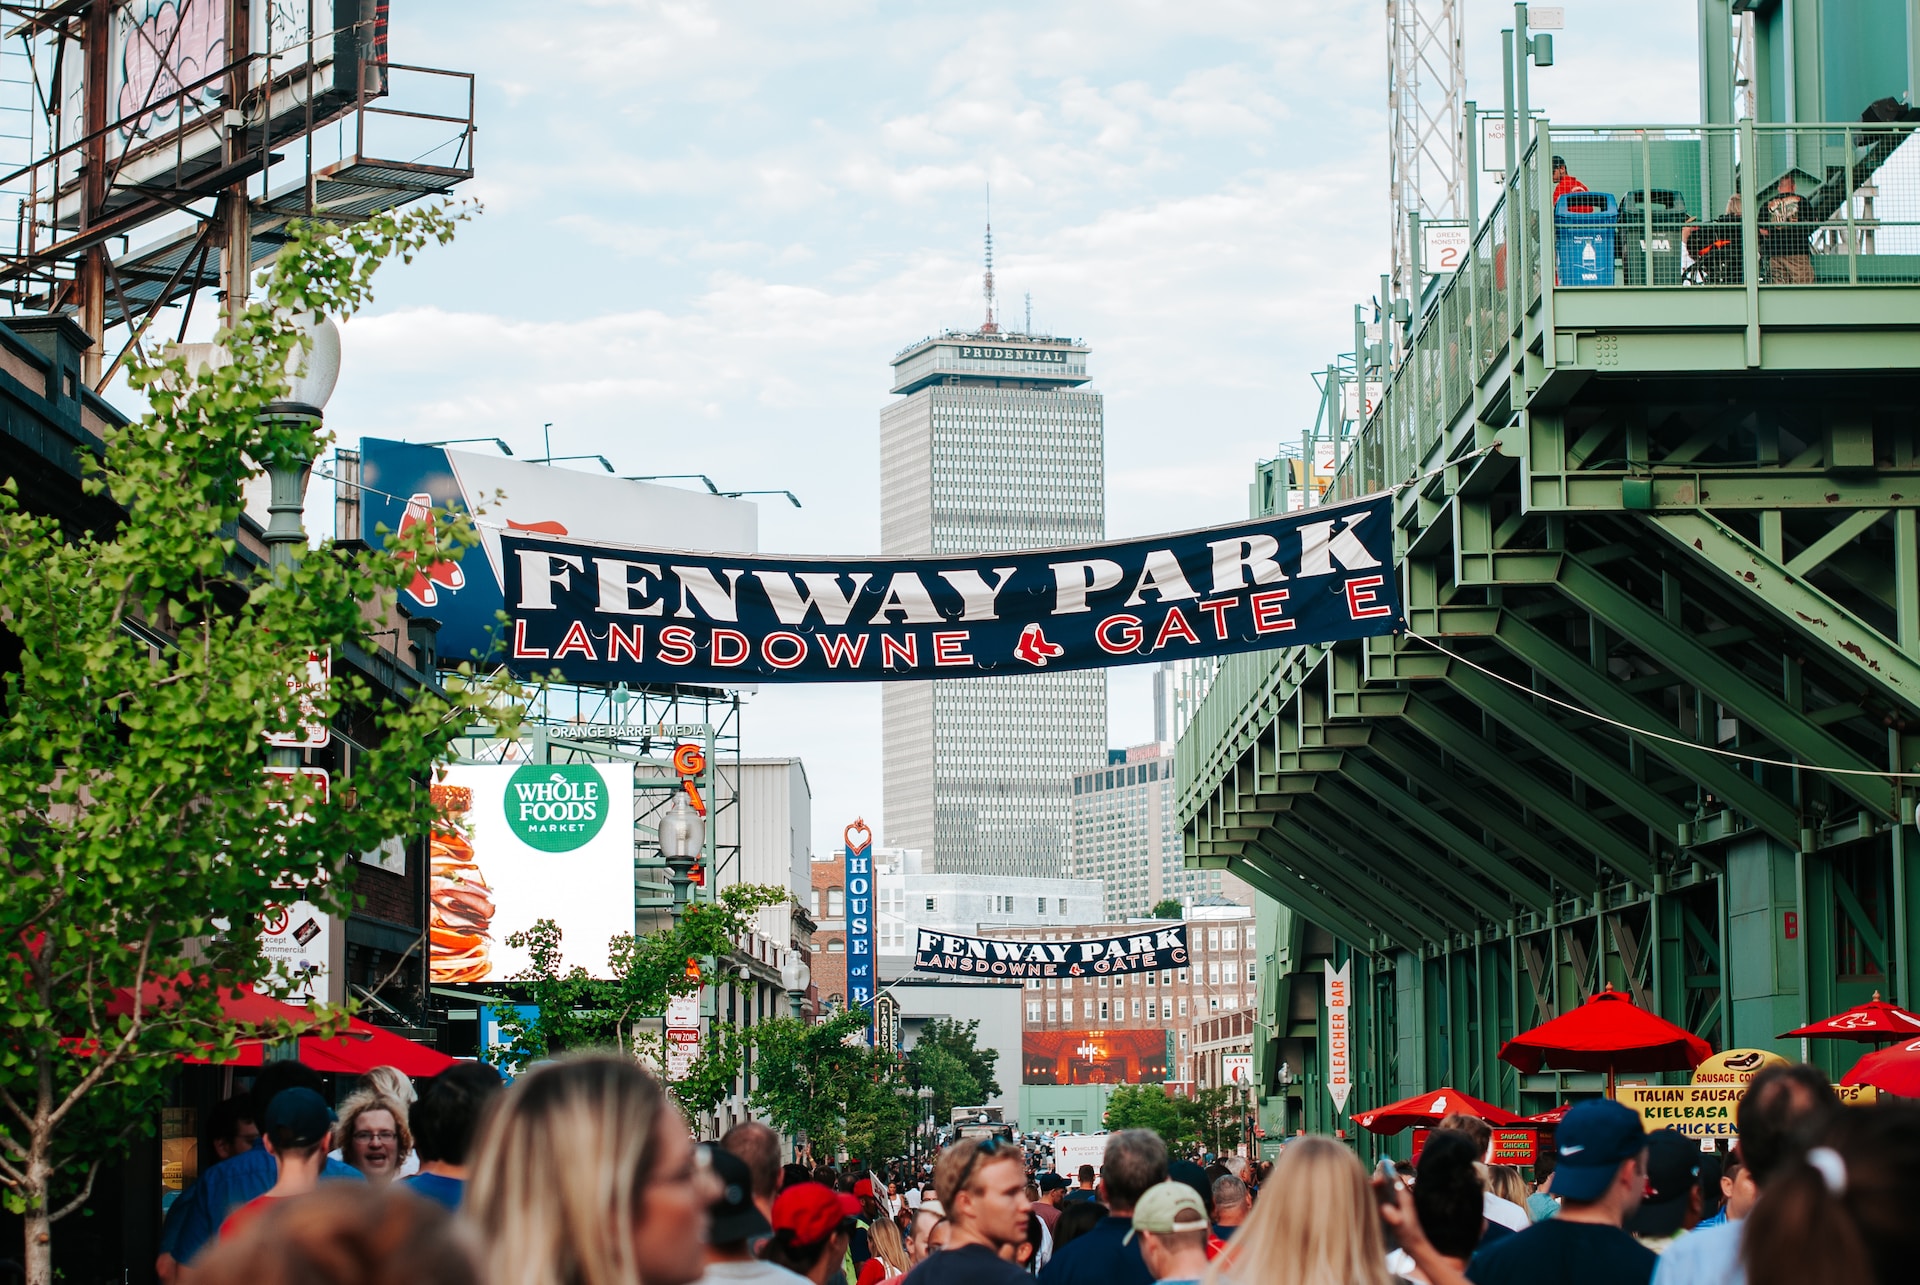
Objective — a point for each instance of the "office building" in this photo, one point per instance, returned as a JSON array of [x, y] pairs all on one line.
[[993, 444], [1125, 835]]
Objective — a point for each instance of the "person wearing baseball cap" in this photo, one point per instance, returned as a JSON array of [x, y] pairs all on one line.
[[1172, 1226], [734, 1224], [1672, 1204], [1600, 1175], [297, 1131], [811, 1225], [1053, 1189]]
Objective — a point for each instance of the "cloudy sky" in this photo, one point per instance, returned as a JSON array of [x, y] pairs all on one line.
[[709, 226]]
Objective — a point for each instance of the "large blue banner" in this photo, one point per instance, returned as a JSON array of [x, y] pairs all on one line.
[[602, 613]]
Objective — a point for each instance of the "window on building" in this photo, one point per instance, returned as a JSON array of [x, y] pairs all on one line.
[[1103, 983], [930, 903], [1230, 972], [836, 947], [1227, 937], [1153, 1010], [1232, 999], [1033, 983], [1250, 999], [1053, 983], [1087, 1009], [1213, 972], [1214, 1004], [1041, 909], [1183, 972], [816, 903], [1053, 1010], [836, 903], [1150, 979], [1103, 1010], [1183, 1046], [1166, 979], [1136, 1008], [1063, 906], [1213, 939], [1033, 1011], [1183, 1006]]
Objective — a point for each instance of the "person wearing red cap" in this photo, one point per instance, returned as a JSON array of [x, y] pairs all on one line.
[[982, 1184], [811, 1224]]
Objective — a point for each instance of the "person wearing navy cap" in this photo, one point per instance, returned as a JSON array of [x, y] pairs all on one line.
[[1600, 1175], [296, 1132]]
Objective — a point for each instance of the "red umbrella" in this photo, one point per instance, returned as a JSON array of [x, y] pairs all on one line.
[[1549, 1117], [1874, 1022], [1431, 1108], [1895, 1070], [1607, 1033]]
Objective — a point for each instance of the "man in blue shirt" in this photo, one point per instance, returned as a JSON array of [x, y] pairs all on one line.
[[1135, 1160], [233, 1182], [443, 1123]]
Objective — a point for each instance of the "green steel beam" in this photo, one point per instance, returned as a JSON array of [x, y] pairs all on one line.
[[1529, 791], [1473, 796], [1506, 874], [1267, 874], [1426, 867], [1601, 693], [1571, 751], [1429, 922], [1791, 600], [1294, 868]]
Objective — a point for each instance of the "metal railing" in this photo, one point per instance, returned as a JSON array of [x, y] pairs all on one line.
[[1831, 205]]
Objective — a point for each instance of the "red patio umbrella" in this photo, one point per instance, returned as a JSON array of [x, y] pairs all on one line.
[[1895, 1070], [1549, 1117], [1431, 1108], [1607, 1033], [1874, 1022]]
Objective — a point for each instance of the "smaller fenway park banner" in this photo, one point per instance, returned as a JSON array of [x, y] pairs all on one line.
[[1141, 952], [602, 613]]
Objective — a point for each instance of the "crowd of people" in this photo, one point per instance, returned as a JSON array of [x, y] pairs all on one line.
[[583, 1173]]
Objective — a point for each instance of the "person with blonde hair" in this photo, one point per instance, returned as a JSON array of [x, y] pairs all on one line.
[[373, 1135], [585, 1174], [889, 1261], [1316, 1223]]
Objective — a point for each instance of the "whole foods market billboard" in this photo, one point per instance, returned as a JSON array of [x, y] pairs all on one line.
[[527, 842]]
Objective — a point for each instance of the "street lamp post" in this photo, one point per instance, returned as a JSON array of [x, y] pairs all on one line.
[[682, 834], [794, 976]]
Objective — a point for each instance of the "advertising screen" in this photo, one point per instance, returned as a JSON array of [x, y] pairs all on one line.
[[528, 842], [1094, 1057]]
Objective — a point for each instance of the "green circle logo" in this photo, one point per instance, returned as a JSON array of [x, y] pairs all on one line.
[[556, 807]]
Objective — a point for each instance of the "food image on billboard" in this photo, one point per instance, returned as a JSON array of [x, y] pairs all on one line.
[[528, 842], [1094, 1057]]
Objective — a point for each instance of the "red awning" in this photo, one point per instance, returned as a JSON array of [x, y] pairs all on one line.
[[1431, 1108], [355, 1051], [1875, 1022], [1895, 1070], [1607, 1033]]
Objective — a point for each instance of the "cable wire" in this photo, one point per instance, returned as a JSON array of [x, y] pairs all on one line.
[[1658, 736]]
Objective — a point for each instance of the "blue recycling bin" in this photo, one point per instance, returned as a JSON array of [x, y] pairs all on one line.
[[1583, 227]]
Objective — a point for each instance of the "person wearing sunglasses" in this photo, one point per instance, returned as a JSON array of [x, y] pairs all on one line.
[[982, 1184]]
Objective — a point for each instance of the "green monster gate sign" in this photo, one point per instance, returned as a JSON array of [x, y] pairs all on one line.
[[556, 807], [602, 613]]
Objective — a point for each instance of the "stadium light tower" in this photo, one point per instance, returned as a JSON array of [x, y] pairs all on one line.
[[1426, 85]]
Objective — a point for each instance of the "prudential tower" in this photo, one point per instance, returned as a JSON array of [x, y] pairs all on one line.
[[992, 443]]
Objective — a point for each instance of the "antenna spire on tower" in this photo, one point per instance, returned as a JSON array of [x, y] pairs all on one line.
[[989, 327]]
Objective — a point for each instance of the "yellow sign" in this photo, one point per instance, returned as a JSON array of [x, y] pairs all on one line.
[[1735, 1066], [1697, 1110], [1856, 1095]]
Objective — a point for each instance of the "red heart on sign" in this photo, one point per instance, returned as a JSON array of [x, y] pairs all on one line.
[[858, 836]]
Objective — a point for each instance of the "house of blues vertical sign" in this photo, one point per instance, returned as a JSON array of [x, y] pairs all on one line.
[[861, 980]]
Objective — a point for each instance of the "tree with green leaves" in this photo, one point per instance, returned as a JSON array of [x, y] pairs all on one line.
[[576, 1010], [811, 1075], [1168, 908], [1148, 1106], [948, 1059], [141, 837]]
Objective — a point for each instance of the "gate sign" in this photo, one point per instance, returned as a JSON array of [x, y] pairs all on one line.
[[605, 613], [1237, 1069]]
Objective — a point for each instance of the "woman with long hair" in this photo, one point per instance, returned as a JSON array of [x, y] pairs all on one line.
[[1843, 1212], [889, 1261], [1316, 1223], [584, 1174]]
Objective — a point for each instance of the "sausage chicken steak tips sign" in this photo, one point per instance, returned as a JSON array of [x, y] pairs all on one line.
[[602, 613]]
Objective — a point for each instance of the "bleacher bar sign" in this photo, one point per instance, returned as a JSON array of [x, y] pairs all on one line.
[[602, 613], [1141, 952], [1339, 1048]]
